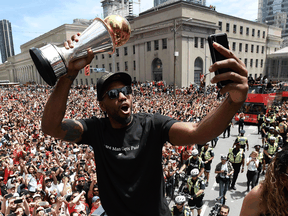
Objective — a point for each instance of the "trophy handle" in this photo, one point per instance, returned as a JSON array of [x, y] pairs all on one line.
[[110, 31]]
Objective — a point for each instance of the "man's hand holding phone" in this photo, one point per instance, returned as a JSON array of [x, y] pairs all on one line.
[[239, 87]]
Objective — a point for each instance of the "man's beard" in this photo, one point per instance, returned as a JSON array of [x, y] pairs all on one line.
[[123, 121]]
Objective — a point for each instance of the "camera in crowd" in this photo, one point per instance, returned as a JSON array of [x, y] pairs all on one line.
[[215, 211]]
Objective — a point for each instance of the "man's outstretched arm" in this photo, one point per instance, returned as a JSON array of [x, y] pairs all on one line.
[[185, 133]]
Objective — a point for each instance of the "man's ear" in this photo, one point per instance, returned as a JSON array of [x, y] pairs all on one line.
[[102, 106]]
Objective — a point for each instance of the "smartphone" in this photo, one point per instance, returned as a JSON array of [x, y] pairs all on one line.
[[43, 203], [221, 39], [47, 210], [18, 201], [8, 196]]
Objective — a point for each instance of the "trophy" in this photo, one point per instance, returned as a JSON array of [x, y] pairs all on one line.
[[101, 36]]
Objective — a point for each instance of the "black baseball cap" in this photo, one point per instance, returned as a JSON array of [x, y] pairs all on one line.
[[110, 77]]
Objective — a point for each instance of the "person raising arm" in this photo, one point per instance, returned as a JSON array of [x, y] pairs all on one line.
[[53, 122], [127, 146]]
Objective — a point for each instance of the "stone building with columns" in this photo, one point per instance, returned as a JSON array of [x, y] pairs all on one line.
[[149, 53], [276, 67]]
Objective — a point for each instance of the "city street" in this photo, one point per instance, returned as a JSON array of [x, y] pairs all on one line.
[[234, 198]]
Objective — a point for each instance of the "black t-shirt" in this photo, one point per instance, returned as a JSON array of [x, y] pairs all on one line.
[[128, 160]]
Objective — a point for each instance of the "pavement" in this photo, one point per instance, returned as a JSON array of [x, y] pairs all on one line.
[[234, 197]]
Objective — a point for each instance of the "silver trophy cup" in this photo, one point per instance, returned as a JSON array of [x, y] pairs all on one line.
[[101, 36]]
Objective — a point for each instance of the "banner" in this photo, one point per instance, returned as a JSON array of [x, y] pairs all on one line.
[[97, 70]]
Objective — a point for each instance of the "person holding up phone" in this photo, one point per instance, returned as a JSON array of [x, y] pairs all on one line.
[[128, 147], [252, 171]]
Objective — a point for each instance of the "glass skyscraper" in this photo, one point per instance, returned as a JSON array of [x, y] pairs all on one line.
[[6, 40], [274, 12]]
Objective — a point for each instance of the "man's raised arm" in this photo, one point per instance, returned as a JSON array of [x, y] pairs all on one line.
[[53, 122], [184, 133]]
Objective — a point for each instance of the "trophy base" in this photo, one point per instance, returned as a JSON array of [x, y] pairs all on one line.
[[43, 66]]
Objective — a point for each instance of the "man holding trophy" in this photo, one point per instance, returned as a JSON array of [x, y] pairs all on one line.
[[127, 146]]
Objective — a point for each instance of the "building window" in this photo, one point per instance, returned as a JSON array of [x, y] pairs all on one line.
[[76, 81], [103, 65], [92, 82], [234, 28], [81, 71], [118, 67], [245, 62], [125, 51], [258, 33], [262, 51], [227, 27], [148, 46], [252, 48], [256, 63], [253, 32], [86, 80], [263, 34], [156, 44], [246, 47], [241, 30], [247, 31], [134, 50], [103, 56], [233, 46], [240, 47], [164, 43], [251, 62], [257, 49], [196, 42], [220, 25], [96, 66], [96, 57], [110, 55], [134, 65], [110, 67], [126, 65], [81, 81], [117, 52], [202, 43], [261, 63]]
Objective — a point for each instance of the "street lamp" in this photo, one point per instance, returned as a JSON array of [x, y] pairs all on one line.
[[176, 53]]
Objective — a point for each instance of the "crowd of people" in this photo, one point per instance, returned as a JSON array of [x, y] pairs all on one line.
[[42, 175], [47, 176]]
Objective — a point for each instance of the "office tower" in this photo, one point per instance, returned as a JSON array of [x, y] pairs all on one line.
[[6, 40], [274, 12], [158, 2]]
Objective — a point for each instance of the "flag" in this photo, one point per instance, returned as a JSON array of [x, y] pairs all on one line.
[[87, 70]]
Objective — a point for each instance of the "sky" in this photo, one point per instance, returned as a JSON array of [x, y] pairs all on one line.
[[32, 18]]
